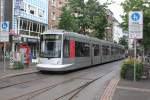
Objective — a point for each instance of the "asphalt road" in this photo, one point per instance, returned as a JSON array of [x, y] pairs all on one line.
[[86, 84]]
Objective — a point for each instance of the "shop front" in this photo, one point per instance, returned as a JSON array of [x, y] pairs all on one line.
[[33, 44]]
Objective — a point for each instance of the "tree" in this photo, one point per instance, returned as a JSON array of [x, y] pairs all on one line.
[[88, 17], [67, 21], [124, 41], [129, 5], [143, 5], [97, 16]]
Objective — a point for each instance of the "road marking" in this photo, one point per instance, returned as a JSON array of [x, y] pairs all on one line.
[[110, 89], [134, 89]]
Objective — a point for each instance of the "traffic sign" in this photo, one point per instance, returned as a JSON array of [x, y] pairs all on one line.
[[5, 26], [4, 35], [135, 16], [135, 24]]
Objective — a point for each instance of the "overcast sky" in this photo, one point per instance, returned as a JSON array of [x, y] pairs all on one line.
[[115, 8]]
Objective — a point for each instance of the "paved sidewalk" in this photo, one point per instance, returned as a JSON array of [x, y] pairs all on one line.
[[13, 72], [131, 90]]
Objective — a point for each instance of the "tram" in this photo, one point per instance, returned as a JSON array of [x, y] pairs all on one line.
[[64, 51]]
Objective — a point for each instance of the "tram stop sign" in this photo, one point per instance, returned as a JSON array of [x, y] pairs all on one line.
[[135, 24], [4, 28]]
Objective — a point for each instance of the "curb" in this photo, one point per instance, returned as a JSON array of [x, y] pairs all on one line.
[[110, 89], [17, 74]]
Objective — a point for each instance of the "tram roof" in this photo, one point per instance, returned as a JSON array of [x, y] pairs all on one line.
[[57, 31], [53, 31]]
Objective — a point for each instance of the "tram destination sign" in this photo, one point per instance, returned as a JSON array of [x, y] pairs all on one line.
[[135, 24]]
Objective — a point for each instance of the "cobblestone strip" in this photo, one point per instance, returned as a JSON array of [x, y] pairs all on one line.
[[134, 89], [110, 89]]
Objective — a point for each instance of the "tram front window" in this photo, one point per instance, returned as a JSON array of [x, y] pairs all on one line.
[[51, 47]]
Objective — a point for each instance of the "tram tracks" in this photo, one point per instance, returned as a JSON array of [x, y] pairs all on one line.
[[9, 82], [31, 95], [81, 88]]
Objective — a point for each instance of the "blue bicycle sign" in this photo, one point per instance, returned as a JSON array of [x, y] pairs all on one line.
[[135, 25], [4, 26], [135, 16]]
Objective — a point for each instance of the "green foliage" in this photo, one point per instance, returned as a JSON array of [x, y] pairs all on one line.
[[84, 17], [18, 65], [67, 21], [128, 68], [142, 5], [124, 41]]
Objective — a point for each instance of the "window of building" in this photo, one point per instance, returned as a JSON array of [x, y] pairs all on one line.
[[53, 16], [34, 27], [24, 25], [40, 12], [66, 48], [53, 2], [43, 28], [23, 6], [32, 9]]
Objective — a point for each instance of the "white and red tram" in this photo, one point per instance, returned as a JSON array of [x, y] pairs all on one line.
[[64, 51]]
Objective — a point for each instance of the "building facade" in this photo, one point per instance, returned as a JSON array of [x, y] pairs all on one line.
[[109, 28], [117, 31], [54, 12], [4, 9], [1, 17], [28, 18]]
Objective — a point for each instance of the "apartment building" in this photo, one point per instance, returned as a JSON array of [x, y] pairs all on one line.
[[27, 18], [109, 28], [54, 12]]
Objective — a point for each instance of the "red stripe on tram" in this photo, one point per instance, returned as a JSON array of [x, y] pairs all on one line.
[[72, 48]]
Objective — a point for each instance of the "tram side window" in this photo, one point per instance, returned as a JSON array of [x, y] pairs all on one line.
[[96, 49], [82, 49], [112, 50], [116, 51], [105, 50], [66, 49]]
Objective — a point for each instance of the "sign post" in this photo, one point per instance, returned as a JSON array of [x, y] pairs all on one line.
[[4, 37], [135, 31]]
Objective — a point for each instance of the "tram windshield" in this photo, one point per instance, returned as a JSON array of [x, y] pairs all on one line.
[[51, 46]]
